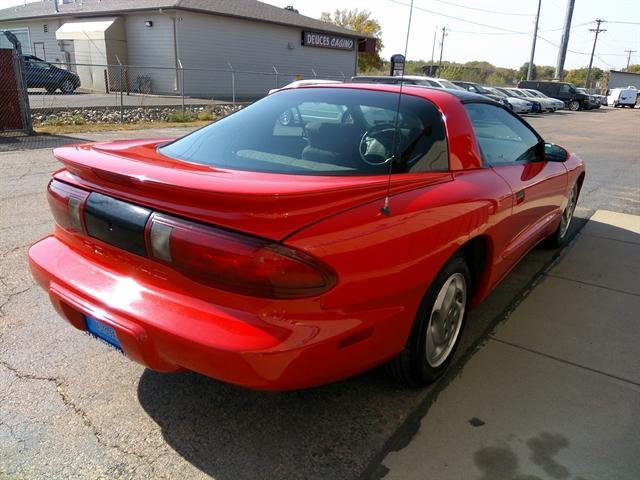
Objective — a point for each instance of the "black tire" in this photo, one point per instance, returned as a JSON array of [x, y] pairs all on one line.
[[574, 105], [51, 89], [67, 87], [560, 237], [411, 367]]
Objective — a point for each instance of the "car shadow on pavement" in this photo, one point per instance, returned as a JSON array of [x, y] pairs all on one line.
[[335, 431], [13, 142]]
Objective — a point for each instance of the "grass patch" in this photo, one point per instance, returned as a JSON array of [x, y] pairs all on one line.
[[106, 127]]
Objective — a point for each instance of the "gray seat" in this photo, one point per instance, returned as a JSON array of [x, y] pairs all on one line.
[[332, 143]]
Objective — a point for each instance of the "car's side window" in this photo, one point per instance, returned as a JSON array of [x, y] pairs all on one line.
[[564, 89], [503, 138]]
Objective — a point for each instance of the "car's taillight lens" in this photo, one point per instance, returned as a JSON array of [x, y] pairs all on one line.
[[236, 262], [67, 204]]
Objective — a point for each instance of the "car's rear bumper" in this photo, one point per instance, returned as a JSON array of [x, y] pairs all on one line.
[[170, 331]]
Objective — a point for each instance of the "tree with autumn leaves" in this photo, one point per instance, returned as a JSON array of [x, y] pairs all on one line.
[[361, 22]]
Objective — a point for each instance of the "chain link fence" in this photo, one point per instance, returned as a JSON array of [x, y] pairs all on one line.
[[86, 93]]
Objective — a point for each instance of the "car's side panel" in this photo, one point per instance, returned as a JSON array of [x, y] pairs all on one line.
[[539, 189], [389, 261]]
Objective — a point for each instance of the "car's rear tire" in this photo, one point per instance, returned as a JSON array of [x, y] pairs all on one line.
[[574, 106], [67, 86], [560, 237], [437, 328]]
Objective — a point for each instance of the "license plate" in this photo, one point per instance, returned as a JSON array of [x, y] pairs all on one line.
[[102, 331]]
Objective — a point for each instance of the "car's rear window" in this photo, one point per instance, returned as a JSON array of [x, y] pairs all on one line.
[[323, 131]]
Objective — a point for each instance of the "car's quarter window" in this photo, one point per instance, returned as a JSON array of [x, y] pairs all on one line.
[[323, 131], [503, 137]]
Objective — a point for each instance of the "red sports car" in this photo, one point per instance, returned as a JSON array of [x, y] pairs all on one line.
[[313, 235]]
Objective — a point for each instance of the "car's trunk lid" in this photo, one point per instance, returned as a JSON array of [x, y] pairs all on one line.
[[268, 205]]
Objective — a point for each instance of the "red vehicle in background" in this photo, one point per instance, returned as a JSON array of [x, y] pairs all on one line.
[[313, 235]]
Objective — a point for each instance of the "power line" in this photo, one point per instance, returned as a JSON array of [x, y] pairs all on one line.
[[433, 12], [495, 12]]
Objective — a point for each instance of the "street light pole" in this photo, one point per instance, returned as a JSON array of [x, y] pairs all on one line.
[[533, 45], [593, 50]]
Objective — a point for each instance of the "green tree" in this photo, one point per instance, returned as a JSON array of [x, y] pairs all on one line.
[[635, 68], [523, 71], [578, 76], [361, 22], [291, 8]]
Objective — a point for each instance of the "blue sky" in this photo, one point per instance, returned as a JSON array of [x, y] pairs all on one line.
[[478, 30]]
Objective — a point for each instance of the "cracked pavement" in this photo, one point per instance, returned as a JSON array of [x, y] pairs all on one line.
[[71, 407]]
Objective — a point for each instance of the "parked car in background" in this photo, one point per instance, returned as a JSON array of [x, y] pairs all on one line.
[[623, 97], [547, 104], [41, 74], [593, 100], [535, 106], [517, 104], [480, 90], [557, 104], [282, 257], [303, 83], [408, 80], [567, 92]]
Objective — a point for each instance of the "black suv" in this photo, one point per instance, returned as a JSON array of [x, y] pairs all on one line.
[[41, 74], [567, 92]]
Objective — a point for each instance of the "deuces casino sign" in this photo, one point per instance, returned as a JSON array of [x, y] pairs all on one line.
[[324, 40]]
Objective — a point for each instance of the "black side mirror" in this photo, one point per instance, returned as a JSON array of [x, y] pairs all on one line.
[[555, 153]]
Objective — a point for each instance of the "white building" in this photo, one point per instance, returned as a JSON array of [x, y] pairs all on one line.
[[155, 37]]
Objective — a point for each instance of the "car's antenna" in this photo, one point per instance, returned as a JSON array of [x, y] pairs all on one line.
[[386, 210]]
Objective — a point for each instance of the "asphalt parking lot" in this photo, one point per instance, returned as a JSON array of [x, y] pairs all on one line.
[[70, 407]]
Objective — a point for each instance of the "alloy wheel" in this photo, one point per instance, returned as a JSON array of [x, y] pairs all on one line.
[[567, 213], [67, 86], [446, 320]]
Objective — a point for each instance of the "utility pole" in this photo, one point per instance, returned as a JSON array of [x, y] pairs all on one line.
[[629, 52], [433, 46], [593, 50], [564, 43], [444, 33], [533, 45]]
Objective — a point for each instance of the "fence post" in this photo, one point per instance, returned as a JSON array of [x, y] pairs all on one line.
[[314, 73], [233, 84], [121, 90], [22, 83], [181, 84], [277, 77]]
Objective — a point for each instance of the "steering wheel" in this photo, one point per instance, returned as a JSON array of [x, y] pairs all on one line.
[[379, 141]]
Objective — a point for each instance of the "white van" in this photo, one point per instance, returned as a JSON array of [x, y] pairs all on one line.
[[623, 97]]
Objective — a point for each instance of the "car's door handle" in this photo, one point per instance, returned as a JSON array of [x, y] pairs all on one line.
[[520, 196]]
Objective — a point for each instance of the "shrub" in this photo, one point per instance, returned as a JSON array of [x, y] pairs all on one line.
[[179, 117], [205, 115]]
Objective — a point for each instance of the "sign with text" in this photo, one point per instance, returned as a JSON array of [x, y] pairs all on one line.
[[325, 40]]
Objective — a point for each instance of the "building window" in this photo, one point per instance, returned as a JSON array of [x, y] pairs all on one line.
[[45, 27]]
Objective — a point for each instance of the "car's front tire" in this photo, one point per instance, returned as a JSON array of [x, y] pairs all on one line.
[[560, 236], [437, 328], [67, 87], [574, 106]]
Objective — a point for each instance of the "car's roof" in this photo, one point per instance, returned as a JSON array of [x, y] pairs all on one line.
[[418, 90]]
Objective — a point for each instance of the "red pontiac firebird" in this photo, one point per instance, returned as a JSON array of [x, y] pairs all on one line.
[[313, 235]]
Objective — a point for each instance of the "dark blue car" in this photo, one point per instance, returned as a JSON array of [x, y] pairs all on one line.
[[41, 74]]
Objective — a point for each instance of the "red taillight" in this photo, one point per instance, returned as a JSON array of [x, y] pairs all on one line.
[[66, 204], [236, 262]]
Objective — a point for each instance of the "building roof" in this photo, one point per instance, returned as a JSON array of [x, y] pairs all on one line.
[[247, 9]]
